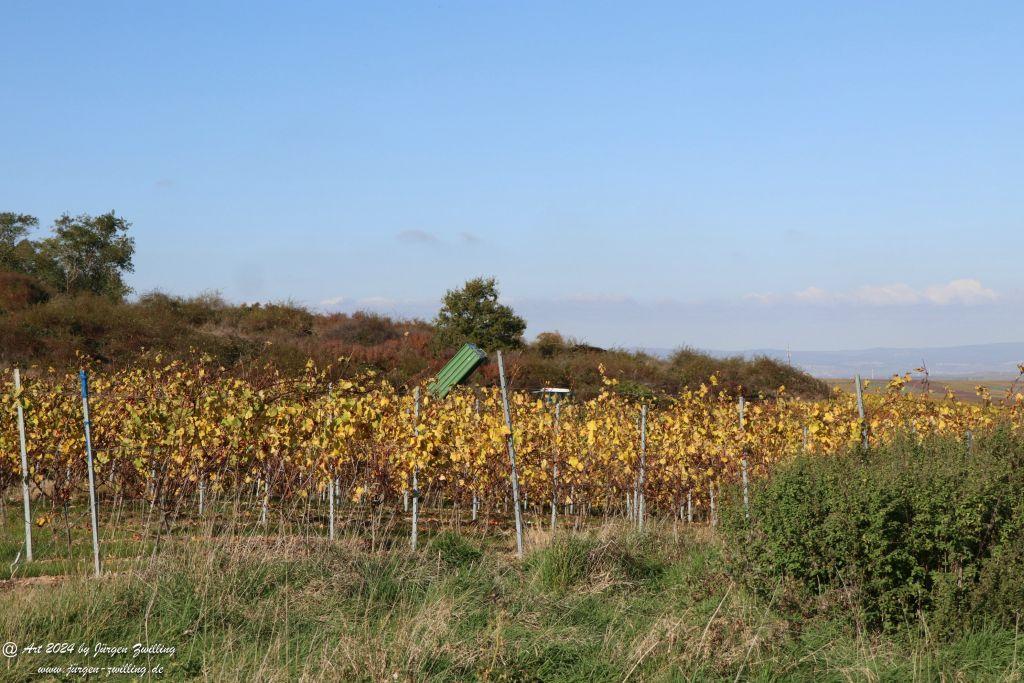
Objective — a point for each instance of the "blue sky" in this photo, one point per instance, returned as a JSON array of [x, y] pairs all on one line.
[[726, 175]]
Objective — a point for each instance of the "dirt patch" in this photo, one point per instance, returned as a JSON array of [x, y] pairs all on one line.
[[30, 581]]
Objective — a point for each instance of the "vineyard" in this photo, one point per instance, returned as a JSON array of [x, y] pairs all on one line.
[[182, 437]]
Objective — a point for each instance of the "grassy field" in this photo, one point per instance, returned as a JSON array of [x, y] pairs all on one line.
[[605, 603]]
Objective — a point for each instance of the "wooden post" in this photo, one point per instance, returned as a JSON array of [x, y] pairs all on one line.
[[92, 477], [415, 472], [714, 512], [860, 412], [265, 503], [510, 442], [24, 468]]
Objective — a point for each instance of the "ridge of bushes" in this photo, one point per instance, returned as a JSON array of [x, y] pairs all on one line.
[[37, 328]]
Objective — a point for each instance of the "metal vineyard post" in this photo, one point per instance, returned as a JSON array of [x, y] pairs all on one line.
[[743, 462], [510, 442], [92, 477], [860, 412], [415, 471], [638, 492], [24, 468]]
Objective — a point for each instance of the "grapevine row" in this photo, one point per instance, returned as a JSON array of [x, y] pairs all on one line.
[[165, 431]]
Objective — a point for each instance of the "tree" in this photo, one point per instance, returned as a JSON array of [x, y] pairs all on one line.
[[550, 343], [473, 314], [16, 250], [87, 254]]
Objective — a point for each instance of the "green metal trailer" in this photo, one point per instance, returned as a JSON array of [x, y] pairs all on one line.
[[457, 370]]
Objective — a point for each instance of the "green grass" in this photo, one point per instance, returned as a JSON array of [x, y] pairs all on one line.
[[605, 605]]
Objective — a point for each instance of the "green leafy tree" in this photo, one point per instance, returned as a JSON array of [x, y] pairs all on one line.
[[87, 254], [473, 314], [17, 251]]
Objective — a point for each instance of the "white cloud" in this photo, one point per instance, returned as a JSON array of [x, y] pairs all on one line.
[[763, 298], [963, 291], [378, 302], [814, 295], [896, 294], [391, 306], [347, 303]]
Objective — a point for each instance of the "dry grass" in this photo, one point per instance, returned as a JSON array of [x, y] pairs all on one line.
[[608, 604]]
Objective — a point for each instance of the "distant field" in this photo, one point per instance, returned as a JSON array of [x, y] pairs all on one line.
[[963, 389]]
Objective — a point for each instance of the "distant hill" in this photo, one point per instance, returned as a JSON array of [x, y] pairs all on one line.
[[989, 361]]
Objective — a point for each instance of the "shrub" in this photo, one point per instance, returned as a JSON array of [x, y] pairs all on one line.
[[19, 291], [758, 376], [548, 344], [362, 328], [906, 528]]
